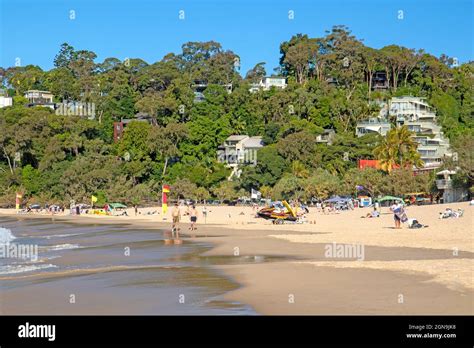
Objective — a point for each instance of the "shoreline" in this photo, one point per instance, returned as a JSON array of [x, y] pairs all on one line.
[[298, 279], [144, 283]]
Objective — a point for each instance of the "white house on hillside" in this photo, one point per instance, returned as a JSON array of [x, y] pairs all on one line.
[[5, 101], [39, 98], [268, 82], [239, 150], [326, 137]]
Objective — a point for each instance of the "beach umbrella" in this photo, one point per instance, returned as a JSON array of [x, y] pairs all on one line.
[[390, 198], [117, 206], [334, 199]]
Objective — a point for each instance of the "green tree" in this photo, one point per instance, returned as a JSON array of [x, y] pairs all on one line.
[[289, 187], [398, 148], [371, 179], [31, 179], [183, 188], [321, 184], [225, 191], [268, 170], [255, 74]]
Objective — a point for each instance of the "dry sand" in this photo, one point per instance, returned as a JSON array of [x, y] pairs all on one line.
[[420, 271]]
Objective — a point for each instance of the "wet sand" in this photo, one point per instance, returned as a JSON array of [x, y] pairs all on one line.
[[289, 288], [89, 273], [284, 269]]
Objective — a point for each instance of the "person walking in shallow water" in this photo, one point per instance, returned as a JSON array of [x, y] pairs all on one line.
[[176, 214], [193, 216]]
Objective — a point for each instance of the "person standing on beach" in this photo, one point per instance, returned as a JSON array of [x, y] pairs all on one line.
[[193, 213], [176, 214], [397, 208], [204, 213]]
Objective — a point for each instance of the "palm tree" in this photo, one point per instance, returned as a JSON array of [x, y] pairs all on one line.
[[398, 149], [385, 153], [299, 170], [407, 148]]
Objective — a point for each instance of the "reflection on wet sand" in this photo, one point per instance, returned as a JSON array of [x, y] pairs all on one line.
[[111, 269]]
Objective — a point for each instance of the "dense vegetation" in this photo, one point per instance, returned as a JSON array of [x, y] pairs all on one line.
[[329, 86]]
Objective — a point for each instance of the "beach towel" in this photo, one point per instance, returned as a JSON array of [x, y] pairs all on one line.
[[400, 213]]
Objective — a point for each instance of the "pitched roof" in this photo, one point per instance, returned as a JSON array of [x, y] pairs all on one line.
[[237, 137], [254, 142]]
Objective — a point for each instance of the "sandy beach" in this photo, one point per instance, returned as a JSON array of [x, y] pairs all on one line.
[[285, 269]]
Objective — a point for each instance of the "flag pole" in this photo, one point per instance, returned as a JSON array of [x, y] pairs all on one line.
[[164, 200], [17, 202]]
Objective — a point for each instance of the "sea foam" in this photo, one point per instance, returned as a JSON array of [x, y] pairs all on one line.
[[6, 235], [12, 269], [62, 247]]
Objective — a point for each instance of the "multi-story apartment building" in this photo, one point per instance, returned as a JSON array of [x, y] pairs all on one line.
[[373, 125], [420, 118]]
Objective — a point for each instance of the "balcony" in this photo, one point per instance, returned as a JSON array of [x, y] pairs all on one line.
[[430, 156], [443, 184]]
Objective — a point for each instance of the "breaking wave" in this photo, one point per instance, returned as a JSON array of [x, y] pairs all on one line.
[[6, 235], [62, 247], [12, 269]]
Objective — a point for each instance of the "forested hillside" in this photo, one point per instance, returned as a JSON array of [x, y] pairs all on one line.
[[330, 82]]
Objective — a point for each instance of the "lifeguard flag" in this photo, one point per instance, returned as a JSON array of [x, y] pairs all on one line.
[[94, 199], [164, 200]]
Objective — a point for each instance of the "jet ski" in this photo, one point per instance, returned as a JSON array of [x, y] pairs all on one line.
[[278, 212]]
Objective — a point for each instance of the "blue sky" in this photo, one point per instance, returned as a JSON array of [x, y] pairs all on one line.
[[33, 30]]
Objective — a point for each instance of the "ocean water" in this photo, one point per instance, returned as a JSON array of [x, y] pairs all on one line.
[[107, 269]]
